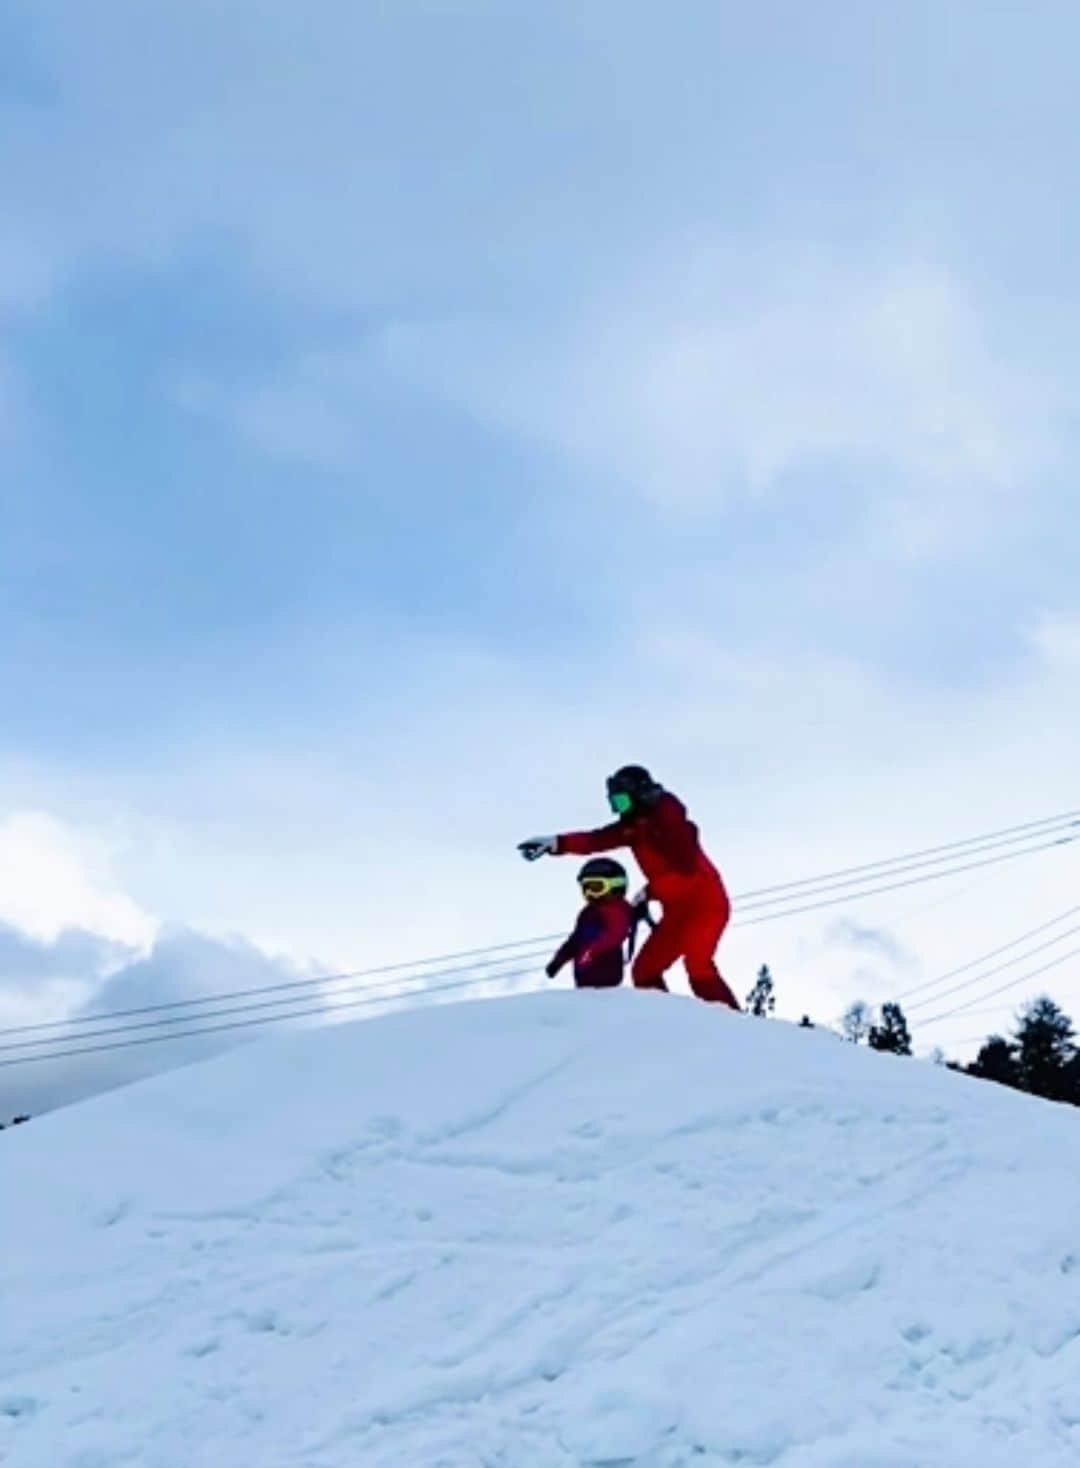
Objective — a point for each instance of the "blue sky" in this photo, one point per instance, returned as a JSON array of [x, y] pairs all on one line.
[[411, 411]]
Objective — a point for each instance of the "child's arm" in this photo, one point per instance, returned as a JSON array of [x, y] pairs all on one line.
[[563, 956]]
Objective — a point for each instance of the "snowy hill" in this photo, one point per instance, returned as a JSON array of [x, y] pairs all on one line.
[[566, 1230]]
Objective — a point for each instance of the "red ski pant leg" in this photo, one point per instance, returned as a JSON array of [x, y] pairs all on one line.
[[692, 933], [662, 948], [701, 938]]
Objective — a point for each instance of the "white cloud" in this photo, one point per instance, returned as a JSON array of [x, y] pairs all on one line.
[[706, 380], [53, 878], [1055, 638], [181, 965], [872, 941], [45, 980]]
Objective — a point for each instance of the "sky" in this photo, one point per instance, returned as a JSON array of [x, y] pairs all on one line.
[[410, 412]]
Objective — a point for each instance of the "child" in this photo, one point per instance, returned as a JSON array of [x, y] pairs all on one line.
[[602, 928]]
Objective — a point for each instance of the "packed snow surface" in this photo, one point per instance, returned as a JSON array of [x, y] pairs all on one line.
[[617, 1230]]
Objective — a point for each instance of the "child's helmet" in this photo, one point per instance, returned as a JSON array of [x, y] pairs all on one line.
[[602, 877]]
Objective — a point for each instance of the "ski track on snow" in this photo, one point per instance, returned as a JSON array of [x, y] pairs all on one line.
[[573, 1231]]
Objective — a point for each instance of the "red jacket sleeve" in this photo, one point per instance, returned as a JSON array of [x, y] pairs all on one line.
[[673, 834], [589, 843]]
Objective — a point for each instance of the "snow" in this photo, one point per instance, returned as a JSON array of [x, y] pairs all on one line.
[[617, 1230]]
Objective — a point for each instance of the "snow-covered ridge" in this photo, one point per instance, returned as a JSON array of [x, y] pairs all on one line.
[[565, 1230]]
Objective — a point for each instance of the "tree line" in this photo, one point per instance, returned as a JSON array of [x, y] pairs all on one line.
[[1040, 1054]]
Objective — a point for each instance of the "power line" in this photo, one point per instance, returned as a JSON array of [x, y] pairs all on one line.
[[910, 882], [1001, 1009], [1013, 984], [321, 981], [1000, 969], [249, 1023], [986, 957], [473, 980], [393, 990], [823, 883], [1017, 833], [351, 978], [903, 870]]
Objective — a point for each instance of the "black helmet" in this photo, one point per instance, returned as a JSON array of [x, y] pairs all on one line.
[[632, 788], [602, 877]]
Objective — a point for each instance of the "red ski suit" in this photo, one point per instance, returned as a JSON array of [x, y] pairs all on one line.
[[683, 880]]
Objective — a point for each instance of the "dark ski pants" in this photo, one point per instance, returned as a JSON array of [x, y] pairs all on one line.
[[693, 934], [595, 977]]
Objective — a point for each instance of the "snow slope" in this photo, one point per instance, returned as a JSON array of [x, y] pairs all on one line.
[[570, 1229]]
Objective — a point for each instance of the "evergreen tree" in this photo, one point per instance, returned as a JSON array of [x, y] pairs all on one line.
[[761, 999], [996, 1061], [1072, 1080], [806, 1023], [857, 1021], [892, 1034], [1045, 1050]]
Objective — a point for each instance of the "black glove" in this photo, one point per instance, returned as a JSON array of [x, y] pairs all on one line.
[[538, 846]]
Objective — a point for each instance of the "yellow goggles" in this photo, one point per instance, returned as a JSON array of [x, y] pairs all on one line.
[[602, 886]]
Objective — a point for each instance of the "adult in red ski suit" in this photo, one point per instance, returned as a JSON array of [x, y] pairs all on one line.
[[654, 824]]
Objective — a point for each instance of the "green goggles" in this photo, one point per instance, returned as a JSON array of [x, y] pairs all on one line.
[[620, 802], [594, 887]]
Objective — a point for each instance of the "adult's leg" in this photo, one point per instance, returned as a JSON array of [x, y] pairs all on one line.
[[701, 938], [662, 948]]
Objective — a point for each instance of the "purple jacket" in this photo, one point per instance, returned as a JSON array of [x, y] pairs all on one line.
[[596, 944]]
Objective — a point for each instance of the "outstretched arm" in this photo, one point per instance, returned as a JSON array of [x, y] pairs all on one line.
[[577, 843], [589, 843]]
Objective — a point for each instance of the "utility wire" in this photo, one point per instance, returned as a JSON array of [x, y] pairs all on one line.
[[1066, 820], [473, 980], [1062, 839], [246, 996], [1029, 828], [999, 969], [321, 981], [394, 990], [1001, 1009], [1013, 984], [986, 957], [909, 882], [248, 1023]]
